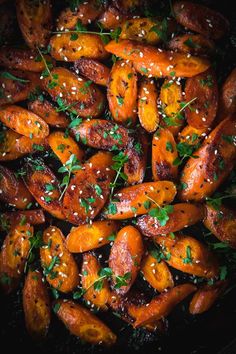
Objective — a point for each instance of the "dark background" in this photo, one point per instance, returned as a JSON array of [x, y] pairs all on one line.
[[207, 333]]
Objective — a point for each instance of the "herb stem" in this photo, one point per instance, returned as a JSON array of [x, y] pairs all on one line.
[[115, 180], [152, 200], [184, 106], [88, 32], [45, 63]]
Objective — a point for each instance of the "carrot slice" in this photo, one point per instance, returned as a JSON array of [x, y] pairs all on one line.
[[36, 304], [91, 236], [13, 256], [149, 61], [135, 200], [83, 324], [23, 121], [189, 255], [64, 146], [59, 266], [13, 190], [125, 258]]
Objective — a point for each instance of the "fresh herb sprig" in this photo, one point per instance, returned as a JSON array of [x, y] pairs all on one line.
[[79, 28], [71, 165], [7, 75], [161, 213], [36, 242], [119, 161], [104, 273], [185, 150]]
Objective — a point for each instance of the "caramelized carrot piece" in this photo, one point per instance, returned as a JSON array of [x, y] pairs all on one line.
[[83, 96], [86, 12], [90, 274], [203, 175], [35, 21], [36, 304], [14, 90], [32, 217], [161, 305], [64, 146], [13, 256], [23, 121], [183, 215], [170, 99], [89, 189], [147, 105], [13, 190], [83, 324], [44, 186], [91, 236], [148, 60], [203, 110], [14, 145], [48, 112], [132, 200], [205, 297], [125, 257], [141, 30], [157, 274], [135, 167], [112, 17], [194, 44], [189, 255], [164, 154], [22, 59], [227, 99], [191, 135], [93, 70], [8, 149], [65, 49], [206, 21], [102, 134], [222, 223], [59, 266], [122, 92]]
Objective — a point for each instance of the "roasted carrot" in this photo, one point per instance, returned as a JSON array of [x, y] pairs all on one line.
[[88, 237], [13, 256], [90, 275], [149, 61], [44, 186], [122, 92], [222, 223], [205, 297], [36, 304], [13, 190], [125, 258], [49, 113], [64, 146], [216, 157], [23, 121], [157, 274], [183, 215], [83, 324], [189, 255], [35, 21], [164, 154], [89, 189], [147, 105], [137, 200], [93, 70], [161, 305], [59, 266]]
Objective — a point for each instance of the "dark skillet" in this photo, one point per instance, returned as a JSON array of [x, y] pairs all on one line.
[[208, 333]]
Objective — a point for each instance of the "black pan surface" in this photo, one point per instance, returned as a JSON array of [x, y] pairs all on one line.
[[213, 332]]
